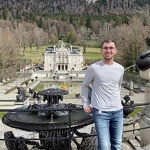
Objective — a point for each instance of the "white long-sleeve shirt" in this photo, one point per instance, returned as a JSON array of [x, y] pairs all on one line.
[[106, 83]]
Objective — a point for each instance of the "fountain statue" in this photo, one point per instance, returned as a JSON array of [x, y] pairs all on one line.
[[47, 122], [126, 102], [22, 95], [64, 86]]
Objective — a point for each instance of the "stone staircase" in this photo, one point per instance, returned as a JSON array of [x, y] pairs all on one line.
[[132, 139], [134, 143]]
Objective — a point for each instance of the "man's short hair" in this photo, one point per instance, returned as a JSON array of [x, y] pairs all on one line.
[[108, 41]]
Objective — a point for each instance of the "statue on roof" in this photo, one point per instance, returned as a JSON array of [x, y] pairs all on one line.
[[62, 44]]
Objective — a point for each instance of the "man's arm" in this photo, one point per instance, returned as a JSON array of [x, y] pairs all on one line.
[[89, 76]]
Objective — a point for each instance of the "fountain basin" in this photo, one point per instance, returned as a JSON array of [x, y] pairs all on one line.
[[30, 121]]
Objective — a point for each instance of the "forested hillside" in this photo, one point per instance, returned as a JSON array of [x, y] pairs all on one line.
[[22, 8], [76, 12]]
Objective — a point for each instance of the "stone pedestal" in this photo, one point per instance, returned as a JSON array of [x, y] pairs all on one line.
[[127, 125], [145, 118], [131, 93], [145, 139], [145, 74], [147, 92]]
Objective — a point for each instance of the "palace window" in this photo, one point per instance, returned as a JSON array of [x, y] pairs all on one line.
[[75, 60], [50, 59]]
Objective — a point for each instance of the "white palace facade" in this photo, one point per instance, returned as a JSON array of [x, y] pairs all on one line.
[[63, 59]]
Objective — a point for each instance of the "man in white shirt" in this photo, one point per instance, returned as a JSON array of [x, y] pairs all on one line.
[[106, 77]]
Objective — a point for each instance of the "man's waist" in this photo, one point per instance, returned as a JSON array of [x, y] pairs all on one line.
[[108, 108]]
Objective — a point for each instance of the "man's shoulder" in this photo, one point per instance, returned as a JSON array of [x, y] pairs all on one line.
[[95, 65], [119, 65]]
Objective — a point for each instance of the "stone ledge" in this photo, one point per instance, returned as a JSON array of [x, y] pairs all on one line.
[[7, 102], [22, 103]]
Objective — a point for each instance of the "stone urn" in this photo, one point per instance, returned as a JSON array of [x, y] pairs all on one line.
[[143, 61]]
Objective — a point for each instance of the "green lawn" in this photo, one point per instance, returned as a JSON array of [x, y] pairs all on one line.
[[136, 110], [92, 55], [93, 50], [34, 55], [2, 114]]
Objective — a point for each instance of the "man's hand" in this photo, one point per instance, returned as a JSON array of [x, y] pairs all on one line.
[[87, 109]]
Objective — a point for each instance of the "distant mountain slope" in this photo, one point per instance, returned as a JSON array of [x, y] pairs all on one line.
[[96, 7]]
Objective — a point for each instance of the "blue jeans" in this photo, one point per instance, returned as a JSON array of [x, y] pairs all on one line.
[[109, 128]]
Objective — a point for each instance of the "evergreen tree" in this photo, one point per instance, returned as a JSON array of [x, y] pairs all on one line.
[[40, 23], [71, 19], [5, 13], [88, 23]]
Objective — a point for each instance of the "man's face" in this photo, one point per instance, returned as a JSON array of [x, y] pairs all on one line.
[[109, 50]]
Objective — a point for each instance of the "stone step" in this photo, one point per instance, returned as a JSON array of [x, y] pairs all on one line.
[[126, 146], [134, 143], [138, 138]]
